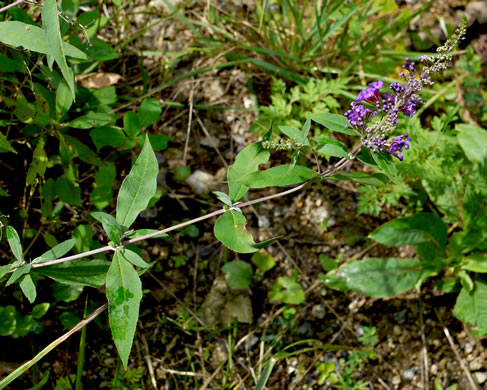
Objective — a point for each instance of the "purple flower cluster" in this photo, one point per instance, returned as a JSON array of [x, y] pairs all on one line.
[[404, 98]]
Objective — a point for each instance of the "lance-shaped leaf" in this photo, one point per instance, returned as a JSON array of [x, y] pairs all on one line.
[[110, 225], [55, 253], [32, 38], [471, 308], [332, 147], [50, 24], [14, 242], [247, 161], [77, 272], [28, 288], [138, 187], [124, 292], [134, 258], [21, 271], [377, 277], [334, 122], [376, 179], [230, 230], [283, 175]]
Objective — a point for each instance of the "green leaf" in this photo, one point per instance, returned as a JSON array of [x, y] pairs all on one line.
[[20, 271], [417, 229], [230, 230], [77, 272], [131, 124], [280, 176], [287, 290], [65, 292], [263, 261], [55, 253], [50, 25], [149, 112], [92, 119], [134, 258], [67, 191], [143, 232], [14, 242], [32, 38], [334, 122], [247, 161], [8, 314], [64, 99], [238, 274], [5, 144], [332, 147], [223, 198], [138, 187], [28, 288], [38, 165], [376, 277], [386, 164], [473, 139], [39, 310], [376, 179], [292, 132], [475, 263], [107, 136], [110, 225], [4, 269], [84, 152], [471, 308], [84, 237], [124, 292]]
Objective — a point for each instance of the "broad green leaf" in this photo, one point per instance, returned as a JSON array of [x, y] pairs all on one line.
[[138, 187], [238, 274], [20, 271], [230, 230], [14, 242], [66, 292], [8, 314], [475, 263], [247, 161], [334, 122], [149, 112], [376, 277], [292, 132], [10, 65], [223, 198], [124, 292], [28, 288], [376, 179], [280, 176], [92, 119], [471, 308], [417, 229], [263, 261], [50, 25], [77, 272], [332, 147], [107, 136], [473, 141], [366, 157], [32, 38], [134, 258], [287, 290], [5, 144], [84, 152], [55, 253], [39, 310], [110, 225], [386, 164], [131, 124], [4, 269]]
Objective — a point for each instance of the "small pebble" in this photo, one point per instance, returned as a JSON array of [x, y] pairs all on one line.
[[475, 365], [396, 330], [481, 377], [409, 374], [396, 380], [318, 311]]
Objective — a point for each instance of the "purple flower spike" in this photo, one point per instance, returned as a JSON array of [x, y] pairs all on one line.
[[371, 94], [359, 116], [398, 144]]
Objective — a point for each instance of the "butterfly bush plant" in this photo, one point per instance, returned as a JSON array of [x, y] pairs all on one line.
[[374, 121]]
